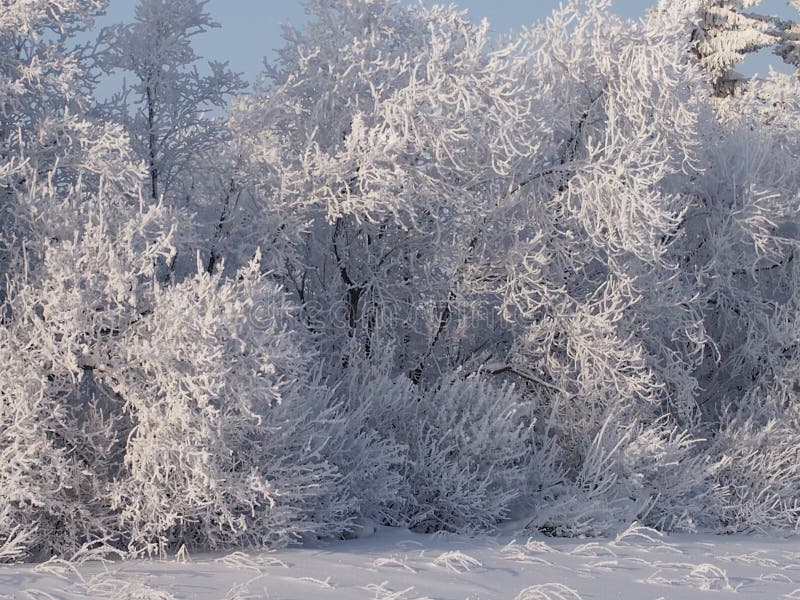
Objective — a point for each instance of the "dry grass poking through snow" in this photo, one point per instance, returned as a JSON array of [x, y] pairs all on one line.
[[397, 565]]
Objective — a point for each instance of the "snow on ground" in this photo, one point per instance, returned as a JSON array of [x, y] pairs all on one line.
[[399, 565]]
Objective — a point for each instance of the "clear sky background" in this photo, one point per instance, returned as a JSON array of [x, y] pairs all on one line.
[[251, 28]]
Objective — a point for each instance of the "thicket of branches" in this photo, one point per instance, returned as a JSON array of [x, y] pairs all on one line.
[[417, 276]]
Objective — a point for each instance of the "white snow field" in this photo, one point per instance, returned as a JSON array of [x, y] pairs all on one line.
[[398, 565]]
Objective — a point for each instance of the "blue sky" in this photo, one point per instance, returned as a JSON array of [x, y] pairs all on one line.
[[251, 28]]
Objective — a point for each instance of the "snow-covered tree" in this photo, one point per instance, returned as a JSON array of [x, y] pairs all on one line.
[[721, 34], [169, 107], [43, 85], [468, 221], [789, 47], [135, 414], [566, 211], [173, 111], [53, 167]]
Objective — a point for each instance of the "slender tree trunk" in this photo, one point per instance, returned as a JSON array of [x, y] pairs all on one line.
[[220, 229], [151, 142]]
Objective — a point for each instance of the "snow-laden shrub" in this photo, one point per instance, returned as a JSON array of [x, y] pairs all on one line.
[[370, 462], [184, 415], [207, 461], [52, 459], [632, 471], [743, 477], [468, 453], [83, 281], [756, 478], [754, 473]]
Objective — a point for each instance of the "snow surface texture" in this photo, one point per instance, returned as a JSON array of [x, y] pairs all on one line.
[[399, 565]]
